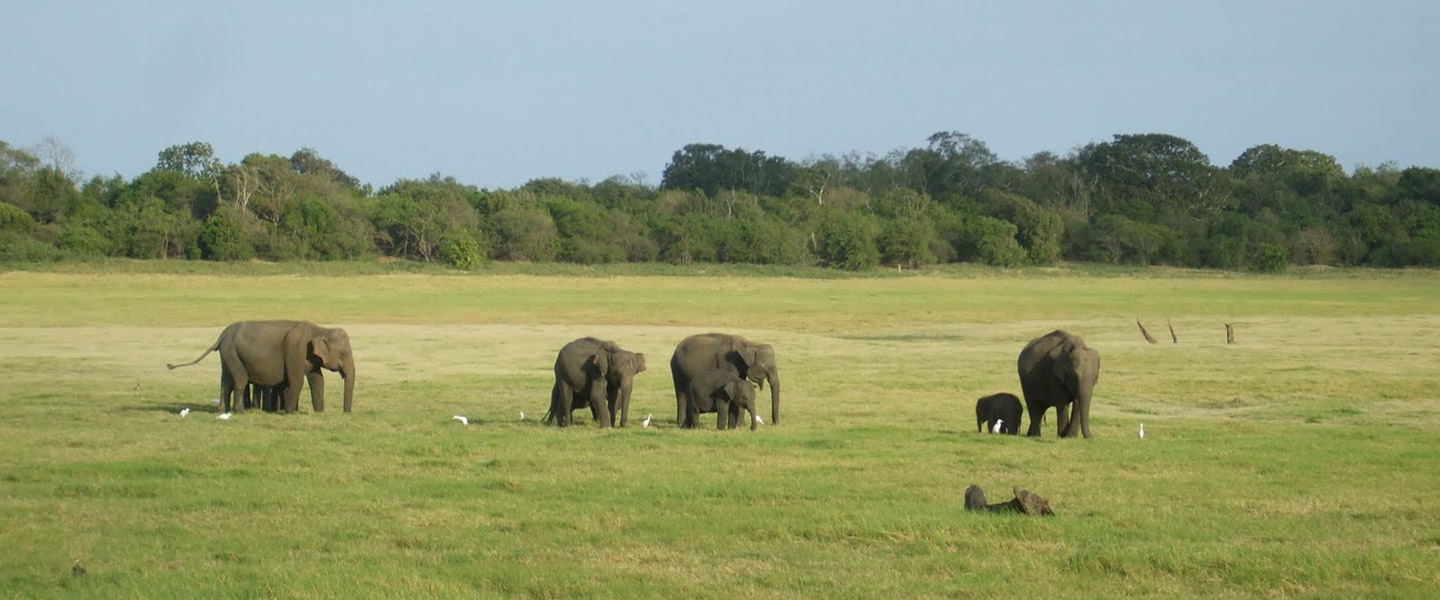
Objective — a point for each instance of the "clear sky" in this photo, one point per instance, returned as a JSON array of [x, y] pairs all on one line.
[[497, 93]]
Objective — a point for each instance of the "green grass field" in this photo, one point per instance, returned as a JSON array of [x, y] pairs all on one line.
[[1300, 462]]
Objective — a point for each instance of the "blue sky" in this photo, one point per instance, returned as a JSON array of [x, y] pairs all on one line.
[[498, 93]]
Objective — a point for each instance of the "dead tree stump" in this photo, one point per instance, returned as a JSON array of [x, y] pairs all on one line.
[[1229, 334], [1025, 502], [1145, 333]]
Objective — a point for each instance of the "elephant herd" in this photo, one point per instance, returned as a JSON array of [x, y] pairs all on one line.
[[712, 372]]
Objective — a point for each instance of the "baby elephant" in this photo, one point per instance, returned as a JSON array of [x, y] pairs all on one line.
[[1002, 407], [724, 394]]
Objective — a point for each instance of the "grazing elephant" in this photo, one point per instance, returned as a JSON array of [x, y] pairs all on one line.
[[724, 394], [1002, 407], [710, 353], [595, 373], [280, 353], [1058, 370]]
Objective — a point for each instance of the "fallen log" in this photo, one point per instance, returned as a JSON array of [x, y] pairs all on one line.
[[1025, 502]]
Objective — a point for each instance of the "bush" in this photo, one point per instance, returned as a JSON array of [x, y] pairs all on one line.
[[84, 241], [221, 238], [1269, 257], [990, 241], [847, 241], [908, 241], [15, 247], [461, 251], [525, 234]]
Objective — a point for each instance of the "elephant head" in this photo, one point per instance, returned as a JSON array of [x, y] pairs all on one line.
[[1077, 368], [759, 361], [619, 367], [330, 348], [740, 394]]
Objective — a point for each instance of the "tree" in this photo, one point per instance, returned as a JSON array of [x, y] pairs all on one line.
[[1144, 176], [711, 168]]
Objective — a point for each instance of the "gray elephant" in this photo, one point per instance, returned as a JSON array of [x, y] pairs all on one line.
[[1002, 407], [724, 394], [711, 353], [265, 397], [281, 353], [595, 373], [1058, 370]]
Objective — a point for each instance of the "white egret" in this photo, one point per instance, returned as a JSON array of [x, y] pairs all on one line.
[[184, 411], [646, 422], [522, 415], [1142, 431], [998, 423], [759, 420], [462, 420], [223, 416]]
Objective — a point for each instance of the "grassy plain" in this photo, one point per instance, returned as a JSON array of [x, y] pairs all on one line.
[[1300, 462]]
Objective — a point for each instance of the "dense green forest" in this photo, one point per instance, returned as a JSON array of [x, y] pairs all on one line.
[[1136, 199]]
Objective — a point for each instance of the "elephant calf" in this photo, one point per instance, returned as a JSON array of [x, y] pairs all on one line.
[[724, 394], [1001, 407]]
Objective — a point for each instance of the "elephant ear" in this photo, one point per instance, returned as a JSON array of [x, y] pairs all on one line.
[[731, 390], [601, 362], [639, 362], [320, 349], [748, 355]]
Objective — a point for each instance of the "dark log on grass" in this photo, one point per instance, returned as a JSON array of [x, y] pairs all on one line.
[[1025, 502], [1229, 334], [1145, 333]]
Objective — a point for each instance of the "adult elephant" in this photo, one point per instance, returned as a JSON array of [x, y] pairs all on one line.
[[596, 373], [1058, 370], [281, 353], [709, 353]]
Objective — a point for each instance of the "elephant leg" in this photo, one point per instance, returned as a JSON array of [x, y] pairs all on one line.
[[599, 405], [681, 405], [564, 398], [232, 396], [317, 390], [722, 415], [1082, 414], [292, 395], [1035, 417], [1062, 420]]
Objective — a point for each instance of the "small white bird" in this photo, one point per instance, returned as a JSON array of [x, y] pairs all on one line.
[[462, 420], [223, 416], [759, 420], [522, 415], [184, 411], [1142, 431], [998, 423], [646, 422]]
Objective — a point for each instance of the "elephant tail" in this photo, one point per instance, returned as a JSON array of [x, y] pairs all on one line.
[[212, 348]]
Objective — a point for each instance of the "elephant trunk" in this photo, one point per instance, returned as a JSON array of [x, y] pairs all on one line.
[[347, 372], [774, 397]]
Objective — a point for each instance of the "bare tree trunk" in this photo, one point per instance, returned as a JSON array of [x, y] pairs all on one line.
[[1229, 334], [1145, 333]]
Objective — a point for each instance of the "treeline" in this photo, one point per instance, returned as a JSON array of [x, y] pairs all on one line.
[[1137, 199]]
